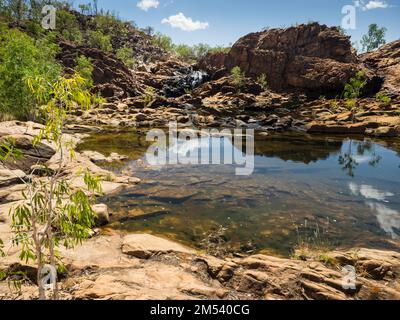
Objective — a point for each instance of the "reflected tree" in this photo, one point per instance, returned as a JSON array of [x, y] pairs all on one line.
[[348, 160]]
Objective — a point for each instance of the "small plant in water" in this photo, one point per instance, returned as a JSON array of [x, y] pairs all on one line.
[[215, 242], [311, 244]]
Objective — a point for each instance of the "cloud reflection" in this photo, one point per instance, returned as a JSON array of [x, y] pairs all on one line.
[[388, 219]]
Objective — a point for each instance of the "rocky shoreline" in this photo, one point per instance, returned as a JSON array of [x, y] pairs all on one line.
[[307, 68], [114, 265]]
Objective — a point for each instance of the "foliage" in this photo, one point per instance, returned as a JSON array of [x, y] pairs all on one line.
[[68, 27], [262, 81], [126, 55], [54, 214], [84, 68], [374, 38], [353, 89], [186, 53], [220, 49], [1, 250], [341, 30], [97, 39], [22, 57], [110, 25], [383, 99], [149, 96], [163, 42], [238, 77]]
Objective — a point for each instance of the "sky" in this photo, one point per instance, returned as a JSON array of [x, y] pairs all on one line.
[[223, 22]]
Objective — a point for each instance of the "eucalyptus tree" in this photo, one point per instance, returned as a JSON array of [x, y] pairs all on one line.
[[54, 213]]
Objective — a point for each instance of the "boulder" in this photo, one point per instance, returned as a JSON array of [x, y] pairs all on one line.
[[10, 177], [143, 246], [39, 153]]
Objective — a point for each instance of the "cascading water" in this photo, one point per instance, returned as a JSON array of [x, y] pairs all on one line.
[[186, 80]]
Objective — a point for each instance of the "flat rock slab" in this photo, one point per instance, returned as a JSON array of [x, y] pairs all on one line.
[[10, 177], [143, 246]]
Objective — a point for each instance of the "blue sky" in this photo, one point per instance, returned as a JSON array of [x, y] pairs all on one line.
[[221, 22]]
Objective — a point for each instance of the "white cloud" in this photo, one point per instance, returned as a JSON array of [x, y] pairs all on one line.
[[148, 4], [185, 23], [371, 4]]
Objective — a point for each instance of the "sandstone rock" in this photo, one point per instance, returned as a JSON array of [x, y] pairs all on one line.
[[10, 177], [31, 155], [386, 63], [309, 57], [110, 75], [94, 156], [383, 132], [103, 217], [143, 246]]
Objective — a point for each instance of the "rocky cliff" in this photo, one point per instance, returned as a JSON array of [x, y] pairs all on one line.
[[385, 62], [310, 57]]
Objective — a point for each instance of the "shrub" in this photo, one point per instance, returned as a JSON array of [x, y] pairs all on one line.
[[353, 89], [110, 25], [84, 67], [148, 97], [262, 81], [126, 55], [99, 40], [22, 57], [238, 77], [163, 42], [383, 99], [186, 53], [68, 27]]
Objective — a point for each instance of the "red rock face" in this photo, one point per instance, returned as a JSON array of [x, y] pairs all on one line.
[[110, 75], [386, 63], [311, 57]]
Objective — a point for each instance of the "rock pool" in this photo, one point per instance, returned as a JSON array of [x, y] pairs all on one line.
[[334, 191]]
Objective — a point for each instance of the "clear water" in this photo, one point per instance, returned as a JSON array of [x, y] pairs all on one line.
[[342, 192]]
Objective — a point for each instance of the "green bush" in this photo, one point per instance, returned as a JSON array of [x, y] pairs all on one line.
[[163, 42], [68, 27], [262, 81], [383, 99], [22, 57], [353, 89], [238, 77], [99, 40], [126, 55], [84, 68], [186, 53], [220, 49], [110, 25]]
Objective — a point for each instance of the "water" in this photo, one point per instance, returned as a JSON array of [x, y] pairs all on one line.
[[336, 191]]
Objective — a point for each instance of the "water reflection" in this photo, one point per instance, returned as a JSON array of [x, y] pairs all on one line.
[[349, 188], [388, 219], [364, 153]]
